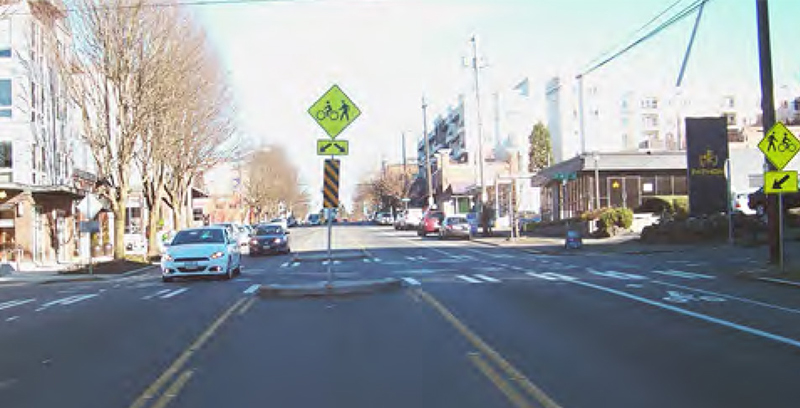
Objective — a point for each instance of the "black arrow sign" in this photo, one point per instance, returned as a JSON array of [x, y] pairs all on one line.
[[778, 184], [324, 148], [341, 149]]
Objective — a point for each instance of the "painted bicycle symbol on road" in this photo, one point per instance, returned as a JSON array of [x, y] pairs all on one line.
[[682, 297]]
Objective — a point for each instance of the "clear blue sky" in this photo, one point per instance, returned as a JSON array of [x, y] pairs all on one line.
[[386, 53]]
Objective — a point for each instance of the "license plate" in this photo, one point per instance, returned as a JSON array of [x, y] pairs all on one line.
[[190, 265]]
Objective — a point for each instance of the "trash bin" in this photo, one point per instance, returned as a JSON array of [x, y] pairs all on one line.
[[574, 240]]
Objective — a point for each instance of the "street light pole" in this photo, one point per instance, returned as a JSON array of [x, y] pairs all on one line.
[[427, 151], [596, 181], [475, 68]]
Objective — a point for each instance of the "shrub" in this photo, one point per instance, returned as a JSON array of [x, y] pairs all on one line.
[[655, 205]]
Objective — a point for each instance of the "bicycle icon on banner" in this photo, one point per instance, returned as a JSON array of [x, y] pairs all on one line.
[[343, 113]]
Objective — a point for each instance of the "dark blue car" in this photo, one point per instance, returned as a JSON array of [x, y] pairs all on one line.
[[269, 239]]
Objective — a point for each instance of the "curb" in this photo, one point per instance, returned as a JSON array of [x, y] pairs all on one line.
[[137, 271], [323, 289], [89, 278], [779, 281], [334, 257]]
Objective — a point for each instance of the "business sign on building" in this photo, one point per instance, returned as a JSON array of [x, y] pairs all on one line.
[[706, 155]]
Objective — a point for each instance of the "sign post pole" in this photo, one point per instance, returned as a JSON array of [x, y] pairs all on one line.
[[780, 232], [330, 235], [89, 211]]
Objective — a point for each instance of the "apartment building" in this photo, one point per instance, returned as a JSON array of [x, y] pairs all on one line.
[[44, 169]]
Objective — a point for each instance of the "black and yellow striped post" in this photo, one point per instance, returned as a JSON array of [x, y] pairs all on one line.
[[330, 190]]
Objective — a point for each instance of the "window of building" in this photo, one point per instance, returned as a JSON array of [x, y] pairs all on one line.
[[6, 155], [650, 103], [5, 98], [731, 119], [729, 102], [650, 120], [680, 186], [5, 38]]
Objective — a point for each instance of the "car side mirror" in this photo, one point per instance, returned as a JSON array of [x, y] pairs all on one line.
[[288, 232]]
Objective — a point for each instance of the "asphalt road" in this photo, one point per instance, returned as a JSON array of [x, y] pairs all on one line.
[[475, 326]]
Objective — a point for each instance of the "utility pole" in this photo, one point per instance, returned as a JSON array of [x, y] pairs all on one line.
[[768, 120], [475, 68], [405, 170], [427, 151]]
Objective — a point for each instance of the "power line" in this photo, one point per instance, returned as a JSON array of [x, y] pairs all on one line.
[[639, 30], [672, 20]]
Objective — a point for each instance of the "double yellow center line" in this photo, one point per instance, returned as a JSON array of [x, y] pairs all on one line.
[[174, 389], [493, 356]]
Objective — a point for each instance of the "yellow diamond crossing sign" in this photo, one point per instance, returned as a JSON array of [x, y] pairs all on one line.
[[334, 111], [778, 182], [779, 145]]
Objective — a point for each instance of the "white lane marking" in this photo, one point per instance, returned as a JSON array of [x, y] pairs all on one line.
[[337, 262], [13, 303], [450, 260], [616, 275], [79, 299], [395, 263], [66, 301], [551, 276], [694, 264], [685, 275], [285, 264], [675, 296], [174, 293], [366, 260], [376, 260], [252, 289], [722, 295], [12, 318], [325, 262], [294, 264], [468, 279], [57, 301], [423, 271], [487, 278], [488, 269], [411, 281], [159, 293], [706, 318]]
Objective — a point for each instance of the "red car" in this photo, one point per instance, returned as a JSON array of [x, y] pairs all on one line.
[[430, 223]]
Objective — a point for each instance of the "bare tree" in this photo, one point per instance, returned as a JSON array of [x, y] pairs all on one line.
[[269, 180], [388, 187]]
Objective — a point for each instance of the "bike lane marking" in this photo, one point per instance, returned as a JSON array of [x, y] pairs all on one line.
[[731, 297], [696, 315]]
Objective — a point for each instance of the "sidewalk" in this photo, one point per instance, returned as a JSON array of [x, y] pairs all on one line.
[[104, 268]]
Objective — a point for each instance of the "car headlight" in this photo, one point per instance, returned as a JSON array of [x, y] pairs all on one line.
[[277, 240], [217, 255], [168, 257], [254, 242]]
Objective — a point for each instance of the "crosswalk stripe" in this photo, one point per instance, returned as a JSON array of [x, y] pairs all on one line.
[[411, 281], [285, 264], [251, 289], [487, 278], [13, 303], [551, 276], [468, 279], [681, 274], [79, 299], [159, 293], [174, 293]]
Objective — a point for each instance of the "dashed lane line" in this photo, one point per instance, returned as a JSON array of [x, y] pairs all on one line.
[[487, 278], [159, 293], [252, 289], [174, 293], [14, 303], [468, 279], [411, 281]]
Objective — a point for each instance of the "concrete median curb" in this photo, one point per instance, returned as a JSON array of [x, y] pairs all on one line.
[[334, 257], [340, 288]]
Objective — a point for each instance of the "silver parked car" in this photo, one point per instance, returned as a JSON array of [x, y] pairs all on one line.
[[455, 226]]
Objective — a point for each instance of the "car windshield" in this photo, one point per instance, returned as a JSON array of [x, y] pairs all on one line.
[[203, 236], [269, 230], [459, 220]]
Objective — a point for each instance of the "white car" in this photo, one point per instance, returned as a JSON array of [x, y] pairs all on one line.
[[205, 251], [283, 222], [740, 204]]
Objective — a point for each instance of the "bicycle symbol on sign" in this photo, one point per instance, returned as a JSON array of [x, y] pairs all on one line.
[[708, 159], [786, 144], [333, 114]]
